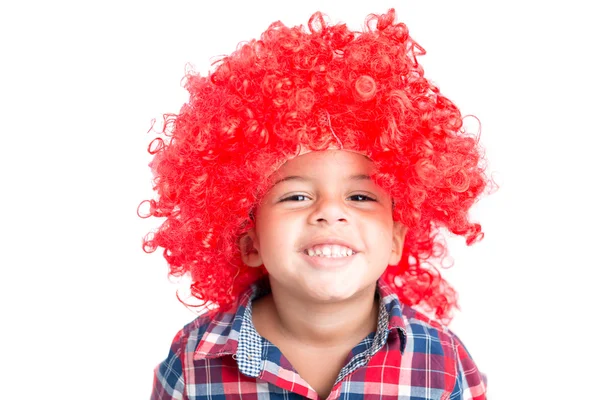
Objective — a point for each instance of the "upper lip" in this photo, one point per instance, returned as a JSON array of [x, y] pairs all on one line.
[[329, 241]]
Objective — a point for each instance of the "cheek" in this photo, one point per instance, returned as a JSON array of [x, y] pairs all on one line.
[[274, 231], [380, 232]]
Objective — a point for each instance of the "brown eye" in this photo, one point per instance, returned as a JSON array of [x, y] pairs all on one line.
[[294, 197], [362, 197]]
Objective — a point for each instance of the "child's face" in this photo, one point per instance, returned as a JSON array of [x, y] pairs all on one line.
[[329, 198]]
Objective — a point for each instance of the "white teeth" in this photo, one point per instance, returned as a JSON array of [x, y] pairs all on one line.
[[330, 251], [336, 251]]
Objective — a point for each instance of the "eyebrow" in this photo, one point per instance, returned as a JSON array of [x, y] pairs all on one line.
[[358, 177]]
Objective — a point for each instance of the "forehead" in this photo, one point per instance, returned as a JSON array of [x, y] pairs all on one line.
[[324, 164]]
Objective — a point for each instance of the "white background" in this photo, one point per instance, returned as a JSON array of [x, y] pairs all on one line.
[[85, 313]]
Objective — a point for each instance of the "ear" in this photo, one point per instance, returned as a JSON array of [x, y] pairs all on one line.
[[397, 243], [250, 249]]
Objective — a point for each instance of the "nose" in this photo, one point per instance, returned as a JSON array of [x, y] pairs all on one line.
[[329, 210]]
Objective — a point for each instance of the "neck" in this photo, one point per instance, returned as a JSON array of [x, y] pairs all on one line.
[[325, 325]]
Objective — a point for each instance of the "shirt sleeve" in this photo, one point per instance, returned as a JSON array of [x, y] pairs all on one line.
[[470, 384], [168, 375]]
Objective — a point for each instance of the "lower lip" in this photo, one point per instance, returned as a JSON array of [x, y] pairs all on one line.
[[328, 262]]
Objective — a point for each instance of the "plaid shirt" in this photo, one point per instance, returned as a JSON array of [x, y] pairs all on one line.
[[409, 357]]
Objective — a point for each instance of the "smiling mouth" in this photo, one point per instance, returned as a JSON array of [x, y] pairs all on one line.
[[328, 262], [321, 255]]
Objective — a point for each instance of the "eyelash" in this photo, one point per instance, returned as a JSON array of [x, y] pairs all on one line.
[[355, 195]]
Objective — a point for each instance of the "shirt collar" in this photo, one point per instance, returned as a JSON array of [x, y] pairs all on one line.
[[222, 335], [390, 317]]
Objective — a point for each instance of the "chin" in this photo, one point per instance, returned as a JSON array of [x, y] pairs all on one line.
[[333, 293]]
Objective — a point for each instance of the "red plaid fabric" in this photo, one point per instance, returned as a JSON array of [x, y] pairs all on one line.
[[409, 357]]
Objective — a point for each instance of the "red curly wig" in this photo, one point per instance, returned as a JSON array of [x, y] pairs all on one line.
[[292, 89]]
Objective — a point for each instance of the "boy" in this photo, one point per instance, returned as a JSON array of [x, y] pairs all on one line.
[[303, 188]]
